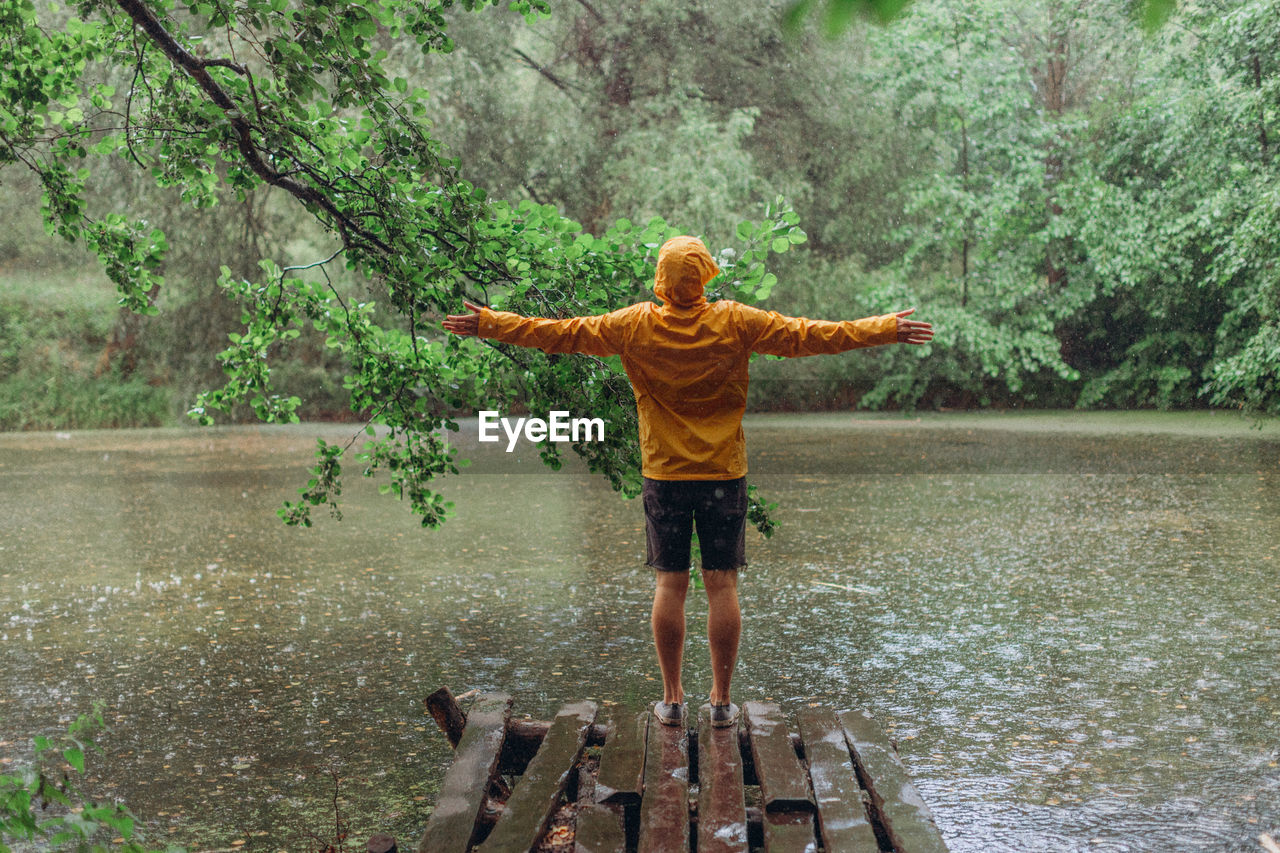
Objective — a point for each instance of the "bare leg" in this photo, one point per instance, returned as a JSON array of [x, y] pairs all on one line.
[[668, 630], [724, 629]]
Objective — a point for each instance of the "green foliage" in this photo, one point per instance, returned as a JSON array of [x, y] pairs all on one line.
[[705, 174], [838, 15], [1098, 232], [759, 512], [302, 100], [42, 802], [973, 360], [49, 376], [1178, 230]]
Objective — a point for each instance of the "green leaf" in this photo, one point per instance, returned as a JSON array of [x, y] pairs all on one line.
[[794, 16], [1156, 12], [75, 757], [888, 10]]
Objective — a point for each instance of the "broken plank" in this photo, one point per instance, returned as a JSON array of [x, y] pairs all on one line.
[[463, 790], [903, 813], [722, 812], [664, 809], [621, 775], [600, 830], [536, 796], [783, 783], [444, 709], [842, 817]]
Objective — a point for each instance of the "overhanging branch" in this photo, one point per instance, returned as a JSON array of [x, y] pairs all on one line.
[[197, 69]]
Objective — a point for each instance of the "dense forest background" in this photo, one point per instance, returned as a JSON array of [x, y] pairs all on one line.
[[1089, 214]]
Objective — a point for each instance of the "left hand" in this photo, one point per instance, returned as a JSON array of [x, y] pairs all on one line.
[[464, 324], [913, 331]]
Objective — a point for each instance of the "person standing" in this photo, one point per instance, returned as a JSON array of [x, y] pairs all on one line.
[[687, 361]]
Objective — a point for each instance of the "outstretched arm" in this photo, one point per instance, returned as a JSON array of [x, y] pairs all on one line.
[[775, 334], [913, 331], [596, 335]]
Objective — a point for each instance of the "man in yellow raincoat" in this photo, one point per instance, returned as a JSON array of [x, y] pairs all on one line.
[[687, 362]]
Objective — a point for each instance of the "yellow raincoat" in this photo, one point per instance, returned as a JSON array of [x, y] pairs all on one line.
[[687, 359]]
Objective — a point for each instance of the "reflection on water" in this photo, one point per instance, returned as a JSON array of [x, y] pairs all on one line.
[[1069, 627]]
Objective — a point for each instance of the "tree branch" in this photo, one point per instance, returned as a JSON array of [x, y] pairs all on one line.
[[592, 9], [198, 71], [544, 71]]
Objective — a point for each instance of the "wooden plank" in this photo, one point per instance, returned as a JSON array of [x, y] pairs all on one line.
[[536, 795], [444, 709], [664, 810], [462, 793], [722, 811], [621, 776], [842, 817], [783, 783], [903, 813], [789, 832], [600, 830]]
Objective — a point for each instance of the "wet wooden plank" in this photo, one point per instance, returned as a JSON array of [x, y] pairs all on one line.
[[664, 809], [842, 817], [783, 782], [904, 815], [621, 776], [789, 832], [600, 829], [722, 810], [444, 709], [463, 790], [536, 795]]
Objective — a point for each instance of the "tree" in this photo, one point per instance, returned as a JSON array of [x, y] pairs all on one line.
[[1177, 224], [299, 97], [838, 15]]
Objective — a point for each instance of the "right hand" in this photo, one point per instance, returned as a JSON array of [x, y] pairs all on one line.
[[464, 324], [913, 331]]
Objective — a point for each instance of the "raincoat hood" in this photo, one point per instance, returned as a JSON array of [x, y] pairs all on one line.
[[684, 268]]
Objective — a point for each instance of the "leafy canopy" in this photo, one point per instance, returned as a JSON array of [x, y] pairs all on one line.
[[215, 96]]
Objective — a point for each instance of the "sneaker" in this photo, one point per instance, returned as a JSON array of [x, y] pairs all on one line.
[[724, 716], [669, 713]]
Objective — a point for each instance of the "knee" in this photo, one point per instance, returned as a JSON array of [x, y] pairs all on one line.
[[672, 584], [721, 583]]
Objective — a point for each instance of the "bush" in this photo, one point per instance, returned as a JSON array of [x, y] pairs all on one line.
[[49, 376], [41, 802]]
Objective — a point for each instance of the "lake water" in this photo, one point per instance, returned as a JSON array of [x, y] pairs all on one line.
[[1068, 623]]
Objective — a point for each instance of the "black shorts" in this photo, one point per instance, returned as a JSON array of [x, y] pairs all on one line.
[[673, 507]]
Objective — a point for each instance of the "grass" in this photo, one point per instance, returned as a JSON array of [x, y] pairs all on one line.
[[53, 289], [53, 329]]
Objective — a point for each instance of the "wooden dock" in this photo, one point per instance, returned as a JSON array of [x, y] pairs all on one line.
[[613, 780]]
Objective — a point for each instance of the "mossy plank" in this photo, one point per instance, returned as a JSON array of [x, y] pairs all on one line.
[[842, 817], [536, 795], [621, 776], [463, 790], [784, 785], [905, 817], [789, 832], [600, 830], [722, 811], [664, 809]]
